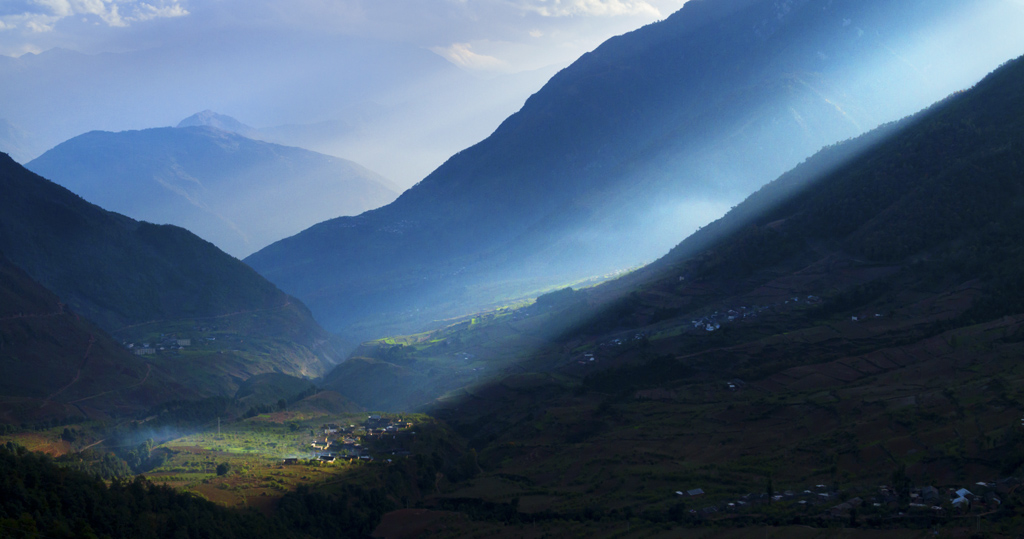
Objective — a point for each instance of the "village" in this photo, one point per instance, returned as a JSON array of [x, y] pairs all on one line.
[[166, 342], [378, 436], [884, 503]]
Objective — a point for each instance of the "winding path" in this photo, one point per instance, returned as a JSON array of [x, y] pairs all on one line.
[[20, 316], [149, 369], [279, 307], [85, 361]]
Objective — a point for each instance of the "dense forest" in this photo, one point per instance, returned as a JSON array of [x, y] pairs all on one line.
[[40, 499]]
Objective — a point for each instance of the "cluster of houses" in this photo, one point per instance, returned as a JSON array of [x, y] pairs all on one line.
[[520, 314], [589, 358], [818, 496], [978, 499], [466, 357], [636, 337], [334, 442], [165, 343], [981, 497], [714, 321], [862, 317]]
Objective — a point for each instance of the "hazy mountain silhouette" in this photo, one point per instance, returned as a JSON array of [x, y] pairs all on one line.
[[238, 193], [620, 154]]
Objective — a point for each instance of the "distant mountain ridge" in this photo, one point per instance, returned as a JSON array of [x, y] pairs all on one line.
[[652, 134], [240, 194]]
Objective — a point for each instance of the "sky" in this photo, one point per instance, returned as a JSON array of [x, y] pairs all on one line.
[[395, 85], [503, 36]]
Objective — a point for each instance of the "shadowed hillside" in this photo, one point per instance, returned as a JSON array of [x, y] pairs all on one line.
[[858, 322], [56, 364], [156, 285]]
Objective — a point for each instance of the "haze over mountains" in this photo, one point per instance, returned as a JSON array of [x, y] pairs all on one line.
[[17, 142], [357, 98], [632, 147], [238, 193]]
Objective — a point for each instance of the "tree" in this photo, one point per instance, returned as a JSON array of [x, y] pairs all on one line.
[[223, 468]]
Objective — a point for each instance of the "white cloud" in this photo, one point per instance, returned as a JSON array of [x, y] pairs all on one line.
[[461, 54], [592, 8], [503, 35], [39, 16], [40, 24], [147, 12]]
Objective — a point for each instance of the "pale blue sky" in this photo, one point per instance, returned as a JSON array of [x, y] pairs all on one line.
[[491, 35], [366, 65]]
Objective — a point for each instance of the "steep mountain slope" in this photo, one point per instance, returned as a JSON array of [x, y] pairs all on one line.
[[146, 283], [859, 319], [917, 222], [57, 364], [652, 134], [238, 193]]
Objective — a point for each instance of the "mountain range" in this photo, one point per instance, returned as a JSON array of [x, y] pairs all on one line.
[[636, 144], [235, 192], [839, 353], [152, 286], [911, 229], [856, 320]]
